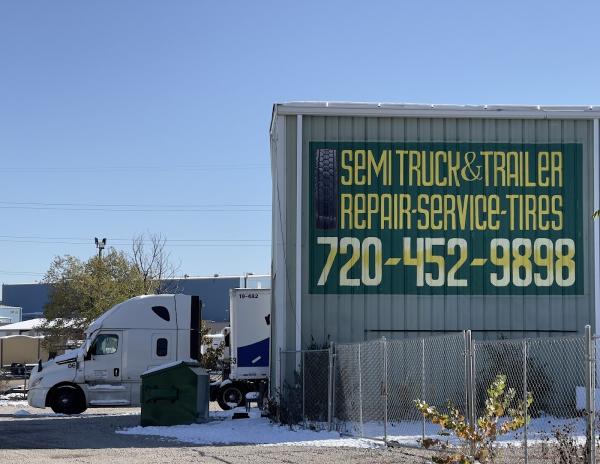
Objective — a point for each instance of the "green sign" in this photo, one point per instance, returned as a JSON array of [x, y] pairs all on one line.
[[443, 218]]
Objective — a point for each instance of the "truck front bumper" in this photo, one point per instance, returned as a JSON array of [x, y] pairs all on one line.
[[36, 397]]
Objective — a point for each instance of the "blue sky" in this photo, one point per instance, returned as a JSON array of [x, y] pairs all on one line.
[[165, 106]]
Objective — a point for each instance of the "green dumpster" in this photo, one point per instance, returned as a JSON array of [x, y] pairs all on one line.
[[173, 394]]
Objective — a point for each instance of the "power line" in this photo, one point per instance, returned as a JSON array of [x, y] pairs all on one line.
[[21, 273], [128, 244], [167, 240], [139, 205], [140, 210], [129, 168]]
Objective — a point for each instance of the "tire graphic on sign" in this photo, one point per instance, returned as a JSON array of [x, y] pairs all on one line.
[[325, 189]]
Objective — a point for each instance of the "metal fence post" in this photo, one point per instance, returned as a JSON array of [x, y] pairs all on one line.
[[473, 385], [333, 383], [302, 359], [385, 389], [423, 387], [330, 389], [360, 402], [471, 390], [525, 399], [466, 372], [593, 398], [590, 395], [280, 386]]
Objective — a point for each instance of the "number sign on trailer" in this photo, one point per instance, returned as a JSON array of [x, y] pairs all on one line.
[[441, 218]]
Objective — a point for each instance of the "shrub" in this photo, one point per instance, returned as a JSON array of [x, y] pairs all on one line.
[[479, 439]]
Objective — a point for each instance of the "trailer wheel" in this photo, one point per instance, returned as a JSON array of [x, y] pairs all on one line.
[[325, 189], [67, 399], [231, 396]]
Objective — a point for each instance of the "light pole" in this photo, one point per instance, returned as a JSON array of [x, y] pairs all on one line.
[[246, 274], [100, 244]]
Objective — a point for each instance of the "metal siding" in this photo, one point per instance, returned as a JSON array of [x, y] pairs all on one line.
[[290, 231], [278, 274], [356, 317], [438, 111], [31, 297]]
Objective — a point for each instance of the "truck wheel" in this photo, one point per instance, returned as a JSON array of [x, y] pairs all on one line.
[[231, 396], [325, 189], [67, 399]]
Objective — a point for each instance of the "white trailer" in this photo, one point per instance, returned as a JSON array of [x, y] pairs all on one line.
[[127, 340], [248, 339]]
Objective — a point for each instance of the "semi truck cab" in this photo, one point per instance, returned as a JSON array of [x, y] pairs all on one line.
[[130, 338]]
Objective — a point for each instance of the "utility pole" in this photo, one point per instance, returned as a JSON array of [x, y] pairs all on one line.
[[100, 244]]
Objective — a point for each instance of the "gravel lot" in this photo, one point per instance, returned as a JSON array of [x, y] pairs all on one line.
[[43, 437]]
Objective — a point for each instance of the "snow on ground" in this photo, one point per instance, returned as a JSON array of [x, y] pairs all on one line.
[[13, 399], [13, 405], [223, 430], [539, 429]]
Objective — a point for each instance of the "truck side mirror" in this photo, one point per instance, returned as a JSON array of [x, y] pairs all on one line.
[[88, 354]]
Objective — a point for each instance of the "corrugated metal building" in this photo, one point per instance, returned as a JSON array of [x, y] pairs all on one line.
[[31, 297], [213, 291], [409, 220]]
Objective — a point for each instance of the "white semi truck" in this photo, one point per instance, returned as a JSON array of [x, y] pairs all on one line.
[[247, 343], [130, 338]]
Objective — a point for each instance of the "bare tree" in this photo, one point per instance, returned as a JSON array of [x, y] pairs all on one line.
[[153, 262]]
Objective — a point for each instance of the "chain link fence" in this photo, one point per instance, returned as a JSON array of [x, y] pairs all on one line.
[[305, 383], [369, 390]]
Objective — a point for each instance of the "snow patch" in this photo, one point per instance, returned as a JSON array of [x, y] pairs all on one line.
[[167, 365], [13, 399], [106, 387], [256, 430], [109, 402], [539, 430], [63, 357], [13, 403], [14, 396]]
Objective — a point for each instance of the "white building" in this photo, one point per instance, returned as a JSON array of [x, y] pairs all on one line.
[[30, 327], [10, 314]]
